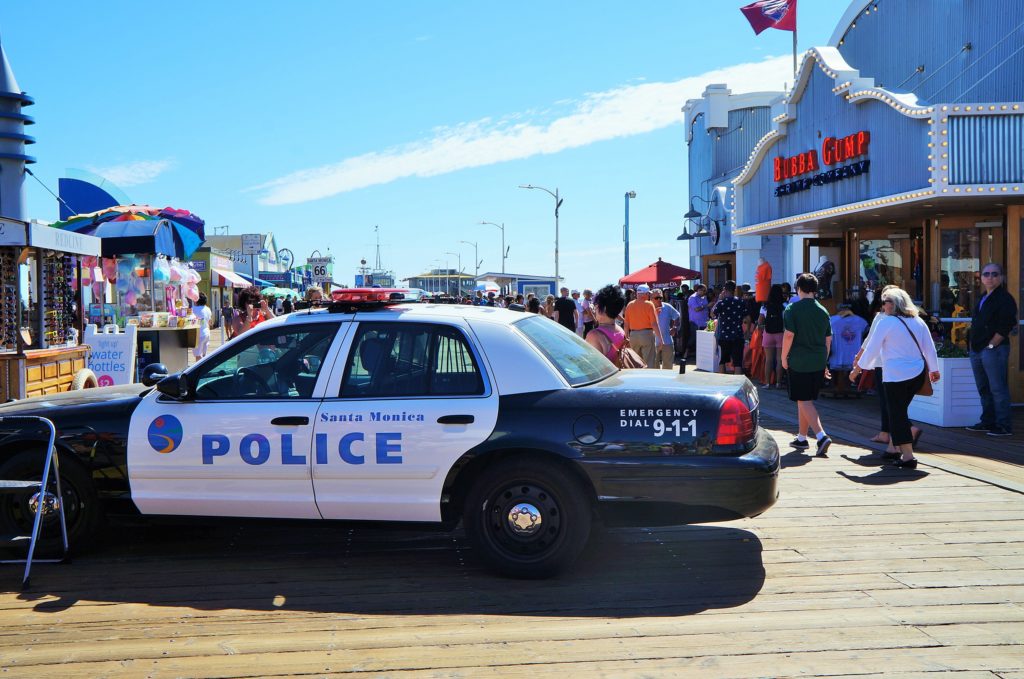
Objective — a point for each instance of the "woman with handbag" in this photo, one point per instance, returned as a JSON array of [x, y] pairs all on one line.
[[607, 337], [901, 344], [873, 380]]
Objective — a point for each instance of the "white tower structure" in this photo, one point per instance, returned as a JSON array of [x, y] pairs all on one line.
[[13, 141]]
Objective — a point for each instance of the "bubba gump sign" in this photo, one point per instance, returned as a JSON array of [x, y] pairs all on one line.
[[833, 152]]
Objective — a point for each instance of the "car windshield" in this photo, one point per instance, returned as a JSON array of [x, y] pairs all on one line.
[[578, 362]]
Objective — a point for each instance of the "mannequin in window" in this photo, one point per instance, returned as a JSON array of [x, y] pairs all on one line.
[[762, 280], [824, 270]]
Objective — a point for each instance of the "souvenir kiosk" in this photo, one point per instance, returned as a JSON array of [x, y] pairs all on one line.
[[40, 321], [150, 292]]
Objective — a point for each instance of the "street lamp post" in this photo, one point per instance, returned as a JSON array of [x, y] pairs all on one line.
[[625, 229], [558, 204], [459, 255], [476, 258], [504, 253]]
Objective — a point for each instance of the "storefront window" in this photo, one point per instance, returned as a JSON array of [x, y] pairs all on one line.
[[881, 264]]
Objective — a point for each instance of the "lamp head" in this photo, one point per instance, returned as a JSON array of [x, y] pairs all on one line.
[[692, 214], [631, 194]]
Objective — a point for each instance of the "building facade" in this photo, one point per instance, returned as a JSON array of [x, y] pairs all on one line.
[[721, 128], [897, 158]]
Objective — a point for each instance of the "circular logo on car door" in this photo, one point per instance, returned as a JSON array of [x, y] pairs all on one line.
[[165, 433]]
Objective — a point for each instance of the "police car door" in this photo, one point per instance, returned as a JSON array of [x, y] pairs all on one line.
[[410, 400], [239, 444]]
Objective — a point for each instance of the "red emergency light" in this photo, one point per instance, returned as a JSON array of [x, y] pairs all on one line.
[[352, 299]]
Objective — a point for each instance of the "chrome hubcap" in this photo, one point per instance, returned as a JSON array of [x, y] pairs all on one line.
[[50, 503], [524, 519]]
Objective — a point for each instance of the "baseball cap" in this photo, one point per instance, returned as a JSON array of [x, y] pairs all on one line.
[[575, 292], [643, 289]]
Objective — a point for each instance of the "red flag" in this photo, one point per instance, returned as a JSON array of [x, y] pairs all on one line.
[[763, 14]]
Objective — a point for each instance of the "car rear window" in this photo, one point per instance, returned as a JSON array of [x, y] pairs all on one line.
[[578, 362]]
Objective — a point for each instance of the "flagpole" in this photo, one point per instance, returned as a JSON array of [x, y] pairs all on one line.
[[794, 55]]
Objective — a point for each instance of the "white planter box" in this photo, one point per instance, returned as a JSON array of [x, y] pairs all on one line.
[[707, 351], [955, 401]]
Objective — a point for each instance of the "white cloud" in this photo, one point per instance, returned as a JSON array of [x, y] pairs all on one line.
[[133, 173], [621, 112]]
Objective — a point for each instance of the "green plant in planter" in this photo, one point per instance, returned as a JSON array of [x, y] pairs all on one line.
[[951, 351]]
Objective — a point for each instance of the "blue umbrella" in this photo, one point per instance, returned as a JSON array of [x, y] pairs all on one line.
[[160, 237]]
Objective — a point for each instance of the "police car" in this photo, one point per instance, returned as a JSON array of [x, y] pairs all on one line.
[[434, 414]]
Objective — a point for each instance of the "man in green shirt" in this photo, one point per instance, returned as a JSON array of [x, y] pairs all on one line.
[[805, 348]]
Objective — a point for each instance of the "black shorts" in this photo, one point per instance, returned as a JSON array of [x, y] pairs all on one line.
[[805, 386], [732, 352]]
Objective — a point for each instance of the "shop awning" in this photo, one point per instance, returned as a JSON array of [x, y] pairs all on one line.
[[253, 281], [227, 279]]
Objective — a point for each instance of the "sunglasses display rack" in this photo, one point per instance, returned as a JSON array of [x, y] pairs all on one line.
[[58, 298], [9, 299]]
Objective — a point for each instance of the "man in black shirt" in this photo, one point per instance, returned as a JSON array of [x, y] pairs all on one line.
[[565, 310], [729, 312], [994, 319]]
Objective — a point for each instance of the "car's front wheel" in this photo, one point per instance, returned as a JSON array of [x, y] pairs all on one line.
[[78, 496], [527, 518]]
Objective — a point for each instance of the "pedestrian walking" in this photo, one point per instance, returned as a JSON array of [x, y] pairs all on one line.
[[640, 321], [575, 294], [993, 320], [203, 316], [607, 337], [287, 306], [805, 348], [565, 311], [587, 303], [697, 312], [771, 341], [902, 344], [668, 323], [729, 313]]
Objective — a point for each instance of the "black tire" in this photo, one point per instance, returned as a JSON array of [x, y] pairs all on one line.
[[531, 550], [81, 505]]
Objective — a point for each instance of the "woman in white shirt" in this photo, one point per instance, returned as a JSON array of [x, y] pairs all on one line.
[[901, 344]]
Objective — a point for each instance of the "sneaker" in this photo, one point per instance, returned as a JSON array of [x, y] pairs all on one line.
[[999, 431], [797, 443], [981, 426], [823, 445]]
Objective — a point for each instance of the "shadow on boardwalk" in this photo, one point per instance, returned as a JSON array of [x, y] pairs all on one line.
[[331, 568]]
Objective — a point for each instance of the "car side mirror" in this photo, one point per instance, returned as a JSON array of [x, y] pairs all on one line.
[[174, 386], [153, 373]]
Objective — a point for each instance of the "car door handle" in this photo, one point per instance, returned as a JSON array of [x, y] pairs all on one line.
[[292, 421], [455, 419]]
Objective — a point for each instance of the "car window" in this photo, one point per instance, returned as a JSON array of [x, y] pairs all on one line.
[[410, 360], [283, 362], [578, 362]]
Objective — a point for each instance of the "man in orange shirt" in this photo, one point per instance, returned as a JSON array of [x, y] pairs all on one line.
[[640, 322]]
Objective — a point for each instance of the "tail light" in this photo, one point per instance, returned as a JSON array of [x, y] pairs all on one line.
[[735, 423]]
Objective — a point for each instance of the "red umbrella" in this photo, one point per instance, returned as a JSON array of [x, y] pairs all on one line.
[[660, 274]]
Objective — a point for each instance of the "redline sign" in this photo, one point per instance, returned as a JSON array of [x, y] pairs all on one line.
[[833, 151]]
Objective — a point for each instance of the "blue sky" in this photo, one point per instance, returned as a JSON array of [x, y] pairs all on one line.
[[318, 120]]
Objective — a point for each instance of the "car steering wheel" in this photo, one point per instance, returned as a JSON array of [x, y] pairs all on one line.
[[241, 374]]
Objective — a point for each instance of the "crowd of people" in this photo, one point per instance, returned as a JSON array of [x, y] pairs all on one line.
[[888, 343]]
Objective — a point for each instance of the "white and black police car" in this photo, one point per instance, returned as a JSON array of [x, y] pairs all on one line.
[[424, 413]]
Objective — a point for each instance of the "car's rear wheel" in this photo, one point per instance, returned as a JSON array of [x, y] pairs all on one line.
[[78, 496], [527, 518]]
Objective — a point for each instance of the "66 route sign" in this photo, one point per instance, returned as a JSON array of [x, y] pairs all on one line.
[[320, 268]]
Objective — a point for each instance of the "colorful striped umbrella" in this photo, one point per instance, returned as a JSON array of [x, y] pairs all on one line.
[[168, 231]]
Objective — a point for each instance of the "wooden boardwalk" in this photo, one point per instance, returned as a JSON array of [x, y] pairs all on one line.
[[858, 571]]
